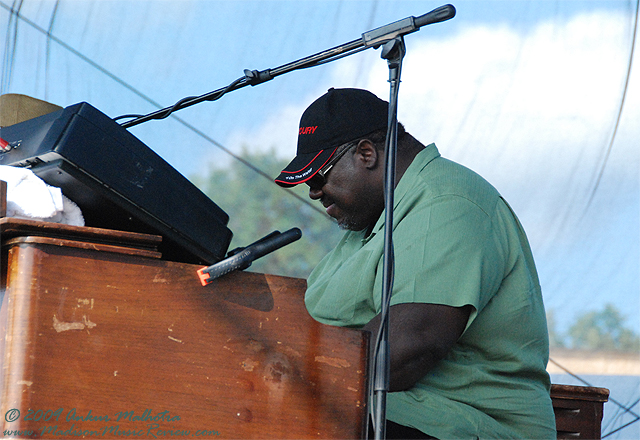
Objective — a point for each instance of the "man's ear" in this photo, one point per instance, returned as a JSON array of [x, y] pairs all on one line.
[[367, 153]]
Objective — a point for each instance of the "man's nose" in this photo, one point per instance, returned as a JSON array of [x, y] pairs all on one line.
[[315, 193]]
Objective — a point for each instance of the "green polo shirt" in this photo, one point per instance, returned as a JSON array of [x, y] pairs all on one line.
[[456, 243]]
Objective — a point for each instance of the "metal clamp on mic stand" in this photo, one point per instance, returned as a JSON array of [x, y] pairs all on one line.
[[393, 51]]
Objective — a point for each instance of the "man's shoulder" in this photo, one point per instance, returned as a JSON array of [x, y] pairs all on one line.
[[442, 177]]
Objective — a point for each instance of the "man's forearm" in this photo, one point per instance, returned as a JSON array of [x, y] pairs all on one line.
[[420, 335]]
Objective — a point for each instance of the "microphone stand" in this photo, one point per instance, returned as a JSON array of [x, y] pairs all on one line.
[[393, 51]]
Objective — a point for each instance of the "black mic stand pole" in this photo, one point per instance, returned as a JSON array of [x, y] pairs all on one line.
[[393, 51]]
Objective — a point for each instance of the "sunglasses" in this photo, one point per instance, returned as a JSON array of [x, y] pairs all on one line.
[[321, 178]]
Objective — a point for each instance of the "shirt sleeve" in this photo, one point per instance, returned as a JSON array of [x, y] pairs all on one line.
[[447, 252]]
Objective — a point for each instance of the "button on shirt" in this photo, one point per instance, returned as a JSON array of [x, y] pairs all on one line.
[[457, 243]]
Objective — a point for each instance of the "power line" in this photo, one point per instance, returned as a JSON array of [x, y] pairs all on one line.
[[626, 425], [10, 48], [48, 51], [619, 117], [620, 428]]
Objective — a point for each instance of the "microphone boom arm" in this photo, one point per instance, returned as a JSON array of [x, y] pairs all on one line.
[[373, 38]]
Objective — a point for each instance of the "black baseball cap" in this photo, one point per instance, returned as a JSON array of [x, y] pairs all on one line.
[[336, 118]]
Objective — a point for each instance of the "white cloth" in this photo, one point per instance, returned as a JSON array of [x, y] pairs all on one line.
[[29, 197]]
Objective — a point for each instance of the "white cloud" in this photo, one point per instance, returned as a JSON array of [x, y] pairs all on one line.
[[487, 92], [278, 131]]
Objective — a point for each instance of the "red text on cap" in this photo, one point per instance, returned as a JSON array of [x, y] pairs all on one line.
[[307, 130]]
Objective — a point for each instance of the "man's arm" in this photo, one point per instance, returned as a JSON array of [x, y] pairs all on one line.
[[420, 335]]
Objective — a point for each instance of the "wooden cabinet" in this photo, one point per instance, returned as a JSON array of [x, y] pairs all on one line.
[[578, 410], [102, 336]]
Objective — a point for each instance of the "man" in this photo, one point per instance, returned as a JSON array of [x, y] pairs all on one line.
[[468, 335]]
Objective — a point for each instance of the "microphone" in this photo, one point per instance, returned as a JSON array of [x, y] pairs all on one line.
[[377, 37], [443, 13], [242, 258]]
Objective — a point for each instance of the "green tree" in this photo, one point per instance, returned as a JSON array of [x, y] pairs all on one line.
[[603, 330], [257, 206]]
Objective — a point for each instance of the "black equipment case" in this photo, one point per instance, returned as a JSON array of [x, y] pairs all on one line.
[[118, 182]]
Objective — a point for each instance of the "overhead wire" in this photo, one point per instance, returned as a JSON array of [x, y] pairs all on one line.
[[621, 107], [54, 13], [626, 409], [615, 419], [626, 425], [10, 47]]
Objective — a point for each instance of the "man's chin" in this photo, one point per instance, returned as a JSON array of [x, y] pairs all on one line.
[[348, 224]]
